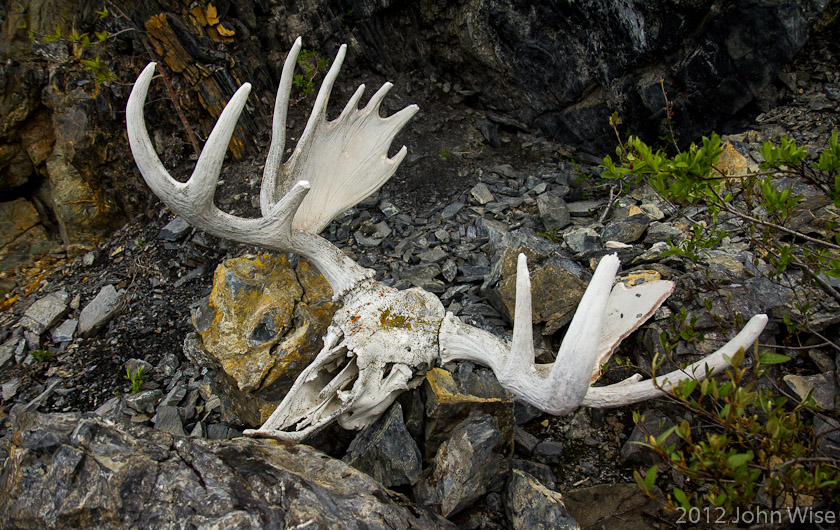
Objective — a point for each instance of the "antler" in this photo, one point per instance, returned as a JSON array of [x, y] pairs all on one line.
[[341, 162], [602, 320]]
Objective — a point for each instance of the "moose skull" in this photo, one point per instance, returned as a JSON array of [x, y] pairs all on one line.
[[379, 344], [383, 340]]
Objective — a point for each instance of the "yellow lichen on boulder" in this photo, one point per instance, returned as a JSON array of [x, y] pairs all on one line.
[[262, 324]]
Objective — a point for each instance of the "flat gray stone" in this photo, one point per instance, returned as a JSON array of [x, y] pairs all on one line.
[[466, 466], [105, 306], [144, 401], [45, 312], [434, 255], [554, 212], [64, 332], [481, 193], [627, 230], [823, 389], [581, 240], [176, 230]]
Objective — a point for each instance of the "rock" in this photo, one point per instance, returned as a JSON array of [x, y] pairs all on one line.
[[554, 212], [627, 230], [144, 401], [541, 472], [74, 471], [663, 232], [451, 397], [582, 240], [434, 255], [524, 441], [613, 506], [823, 389], [262, 324], [490, 132], [22, 237], [45, 312], [481, 193], [556, 288], [176, 230], [827, 431], [65, 331], [653, 423], [371, 236], [99, 311], [529, 504], [466, 466], [168, 420], [451, 210], [585, 208], [388, 208], [9, 388], [386, 451]]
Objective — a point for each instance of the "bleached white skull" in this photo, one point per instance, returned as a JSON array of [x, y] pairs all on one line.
[[379, 344]]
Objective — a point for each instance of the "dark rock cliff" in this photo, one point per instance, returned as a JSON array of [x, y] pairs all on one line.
[[554, 68]]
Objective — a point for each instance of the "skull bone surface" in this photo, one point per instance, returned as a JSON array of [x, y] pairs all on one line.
[[379, 344]]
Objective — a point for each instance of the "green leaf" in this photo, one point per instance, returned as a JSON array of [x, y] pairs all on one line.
[[681, 498], [650, 478], [739, 459], [772, 358]]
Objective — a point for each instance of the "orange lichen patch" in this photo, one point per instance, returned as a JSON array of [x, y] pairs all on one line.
[[169, 48], [252, 306], [225, 32], [212, 14], [198, 15], [732, 162], [639, 276]]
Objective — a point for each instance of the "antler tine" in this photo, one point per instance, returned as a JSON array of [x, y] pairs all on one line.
[[194, 198], [632, 391], [521, 357], [153, 170], [319, 109], [273, 163], [570, 374]]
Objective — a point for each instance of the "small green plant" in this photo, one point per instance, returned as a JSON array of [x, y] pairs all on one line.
[[137, 378], [751, 450], [81, 43], [42, 356], [311, 64], [761, 201], [445, 154], [100, 70], [555, 235]]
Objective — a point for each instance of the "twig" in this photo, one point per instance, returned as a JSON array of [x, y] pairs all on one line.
[[190, 133], [795, 348], [609, 205], [752, 219]]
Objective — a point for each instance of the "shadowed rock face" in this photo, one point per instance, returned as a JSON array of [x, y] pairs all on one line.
[[562, 68], [70, 471]]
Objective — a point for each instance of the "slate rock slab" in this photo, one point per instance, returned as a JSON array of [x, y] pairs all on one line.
[[105, 306], [45, 312], [386, 451], [76, 471], [530, 505], [466, 466]]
